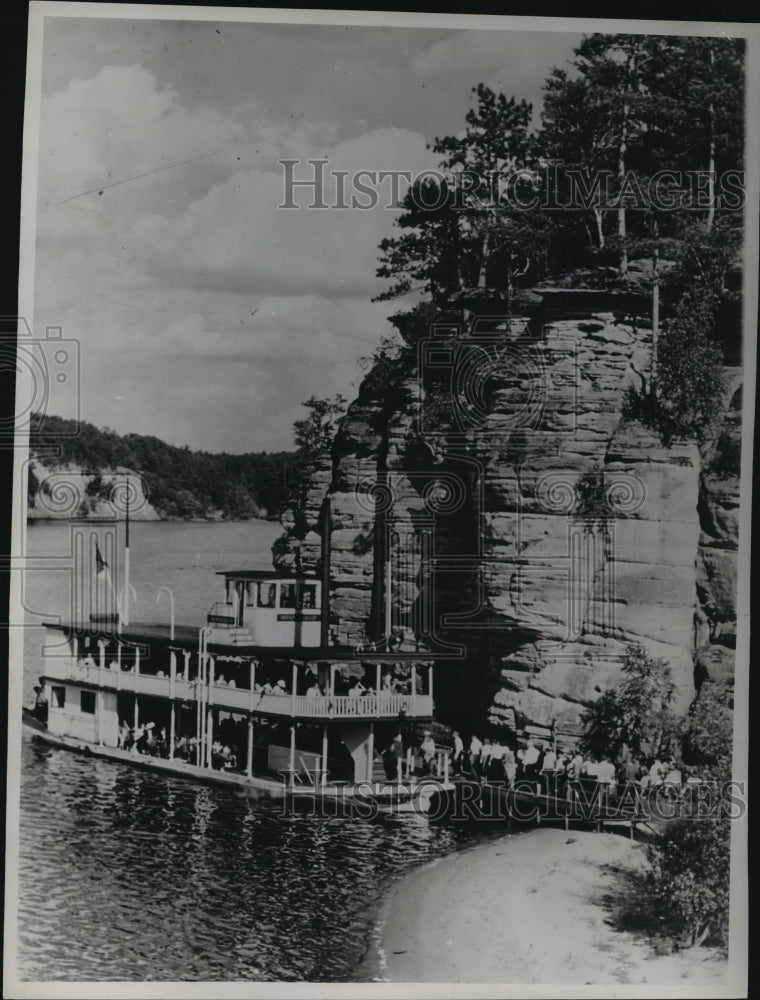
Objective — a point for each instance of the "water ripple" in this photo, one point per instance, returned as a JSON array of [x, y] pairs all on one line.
[[128, 875]]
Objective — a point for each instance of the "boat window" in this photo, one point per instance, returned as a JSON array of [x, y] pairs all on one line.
[[266, 595], [87, 701], [309, 595], [230, 591], [250, 595], [287, 595], [59, 697]]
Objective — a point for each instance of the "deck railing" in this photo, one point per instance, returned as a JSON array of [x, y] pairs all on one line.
[[368, 706]]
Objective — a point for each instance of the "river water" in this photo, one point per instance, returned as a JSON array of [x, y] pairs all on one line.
[[129, 875]]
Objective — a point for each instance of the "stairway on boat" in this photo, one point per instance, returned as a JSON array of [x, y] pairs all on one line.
[[230, 637]]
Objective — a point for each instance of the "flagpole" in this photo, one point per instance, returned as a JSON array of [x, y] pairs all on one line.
[[126, 560], [101, 566]]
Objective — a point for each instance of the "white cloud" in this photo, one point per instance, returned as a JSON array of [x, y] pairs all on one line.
[[117, 125], [514, 63], [237, 238], [205, 313]]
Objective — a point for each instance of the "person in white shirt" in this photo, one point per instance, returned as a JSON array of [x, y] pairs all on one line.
[[510, 765], [475, 749], [589, 768], [495, 770], [485, 757], [458, 751], [656, 772], [605, 773], [548, 769], [530, 759], [550, 761], [428, 751]]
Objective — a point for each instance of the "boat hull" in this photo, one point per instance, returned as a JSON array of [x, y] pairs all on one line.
[[384, 799]]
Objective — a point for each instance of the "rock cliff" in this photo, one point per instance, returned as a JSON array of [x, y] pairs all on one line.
[[66, 490], [527, 530]]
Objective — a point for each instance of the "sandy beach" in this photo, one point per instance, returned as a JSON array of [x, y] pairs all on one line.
[[532, 908]]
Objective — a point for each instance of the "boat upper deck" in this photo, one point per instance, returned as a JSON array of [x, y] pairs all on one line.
[[186, 637], [145, 660]]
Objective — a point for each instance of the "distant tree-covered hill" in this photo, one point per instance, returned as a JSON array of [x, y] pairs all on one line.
[[179, 483]]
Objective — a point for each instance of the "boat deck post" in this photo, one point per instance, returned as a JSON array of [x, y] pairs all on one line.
[[172, 710], [371, 751], [292, 759], [249, 748], [210, 714]]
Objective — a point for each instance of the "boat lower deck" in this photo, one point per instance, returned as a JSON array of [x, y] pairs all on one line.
[[368, 797]]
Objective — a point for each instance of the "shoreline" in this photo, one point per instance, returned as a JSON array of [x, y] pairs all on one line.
[[529, 908]]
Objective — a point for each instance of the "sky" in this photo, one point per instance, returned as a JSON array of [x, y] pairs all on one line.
[[204, 314]]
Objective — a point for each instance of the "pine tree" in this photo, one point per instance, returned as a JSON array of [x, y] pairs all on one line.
[[478, 239]]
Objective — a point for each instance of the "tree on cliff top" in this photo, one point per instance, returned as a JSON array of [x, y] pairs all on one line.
[[688, 383], [313, 435], [463, 234]]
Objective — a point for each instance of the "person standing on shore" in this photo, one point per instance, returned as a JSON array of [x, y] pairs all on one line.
[[630, 771], [548, 770], [589, 773], [485, 757], [476, 748], [530, 760], [605, 776], [456, 754], [510, 766], [495, 770], [397, 749], [656, 772], [427, 747]]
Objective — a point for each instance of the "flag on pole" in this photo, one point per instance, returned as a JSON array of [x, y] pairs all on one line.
[[100, 563]]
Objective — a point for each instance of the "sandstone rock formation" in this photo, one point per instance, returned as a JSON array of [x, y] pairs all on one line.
[[62, 493], [527, 530]]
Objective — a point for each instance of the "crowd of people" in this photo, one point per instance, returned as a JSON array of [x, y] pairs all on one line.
[[532, 760], [311, 682], [152, 741]]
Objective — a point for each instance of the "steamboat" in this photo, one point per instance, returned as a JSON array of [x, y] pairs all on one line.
[[261, 695]]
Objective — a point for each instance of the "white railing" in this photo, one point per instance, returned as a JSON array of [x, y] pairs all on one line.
[[66, 669], [236, 699], [368, 706], [338, 706]]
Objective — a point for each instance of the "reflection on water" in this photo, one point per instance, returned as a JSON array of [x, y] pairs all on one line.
[[127, 875]]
